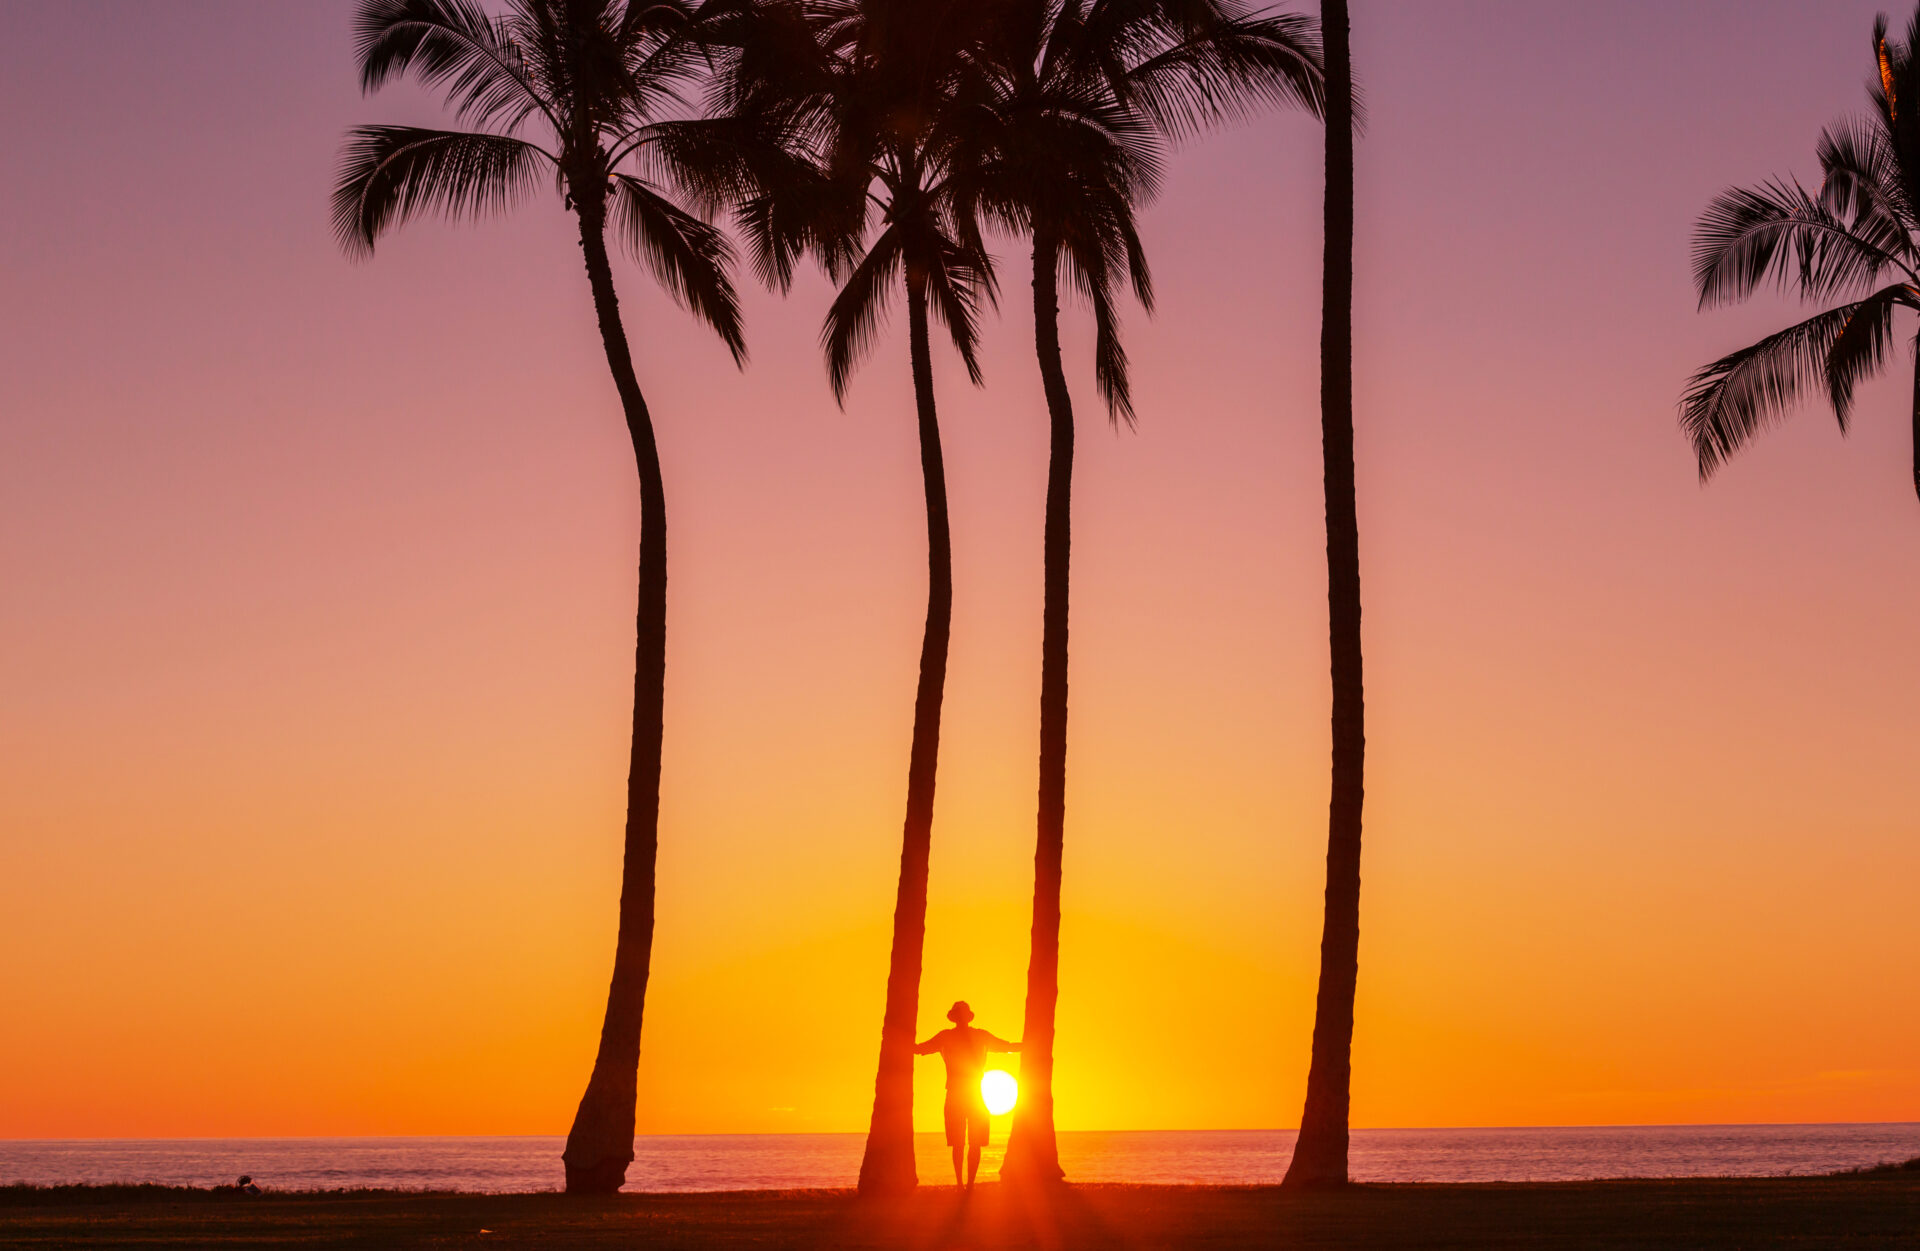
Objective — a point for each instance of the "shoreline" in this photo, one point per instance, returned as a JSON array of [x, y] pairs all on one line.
[[21, 1193], [514, 1164]]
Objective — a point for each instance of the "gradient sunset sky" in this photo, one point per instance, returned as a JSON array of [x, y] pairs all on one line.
[[316, 587]]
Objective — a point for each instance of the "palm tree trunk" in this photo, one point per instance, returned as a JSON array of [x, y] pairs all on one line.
[[1032, 1152], [1320, 1153], [1916, 416], [888, 1167], [600, 1146]]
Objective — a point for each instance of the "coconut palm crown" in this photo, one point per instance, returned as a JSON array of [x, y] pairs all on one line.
[[1852, 241], [604, 86], [891, 121], [1085, 96]]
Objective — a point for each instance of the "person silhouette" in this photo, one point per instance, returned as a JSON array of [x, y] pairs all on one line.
[[965, 1049]]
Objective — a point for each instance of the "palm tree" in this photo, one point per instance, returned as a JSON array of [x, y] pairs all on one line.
[[879, 99], [1083, 95], [1854, 241], [1320, 1152], [605, 81]]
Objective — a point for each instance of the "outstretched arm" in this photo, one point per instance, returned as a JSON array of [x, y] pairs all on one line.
[[1000, 1044], [930, 1046]]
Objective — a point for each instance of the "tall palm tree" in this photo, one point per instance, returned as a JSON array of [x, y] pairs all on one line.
[[1853, 241], [601, 84], [1084, 92], [1320, 1152], [880, 102]]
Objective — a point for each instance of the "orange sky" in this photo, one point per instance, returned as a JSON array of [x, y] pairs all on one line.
[[315, 636]]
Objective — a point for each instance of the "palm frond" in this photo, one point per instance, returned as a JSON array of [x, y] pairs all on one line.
[[806, 213], [667, 49], [1861, 182], [1860, 349], [718, 162], [1855, 235], [1743, 392], [775, 61], [1226, 71], [955, 283], [454, 45], [388, 174], [1138, 271], [1778, 231], [1110, 369], [688, 256], [854, 318]]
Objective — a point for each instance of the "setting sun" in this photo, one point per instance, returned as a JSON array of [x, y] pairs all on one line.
[[1000, 1090]]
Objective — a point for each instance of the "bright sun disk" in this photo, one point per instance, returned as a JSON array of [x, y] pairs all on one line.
[[1000, 1090]]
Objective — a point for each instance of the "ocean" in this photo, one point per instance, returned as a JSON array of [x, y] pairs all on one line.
[[705, 1162]]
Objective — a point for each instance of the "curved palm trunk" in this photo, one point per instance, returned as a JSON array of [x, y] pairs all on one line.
[[1320, 1154], [887, 1166], [1916, 417], [600, 1146], [1032, 1151]]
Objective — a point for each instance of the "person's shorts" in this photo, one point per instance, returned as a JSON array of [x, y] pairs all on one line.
[[967, 1121]]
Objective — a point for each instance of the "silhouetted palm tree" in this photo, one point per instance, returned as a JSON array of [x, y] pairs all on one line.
[[1320, 1152], [602, 83], [879, 100], [1853, 241], [1083, 93]]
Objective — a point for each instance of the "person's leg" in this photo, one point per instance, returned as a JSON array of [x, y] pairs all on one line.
[[956, 1119], [973, 1164]]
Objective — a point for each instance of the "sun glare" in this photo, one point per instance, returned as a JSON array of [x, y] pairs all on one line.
[[1000, 1090]]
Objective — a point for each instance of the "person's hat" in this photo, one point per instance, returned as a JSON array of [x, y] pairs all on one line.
[[960, 1013]]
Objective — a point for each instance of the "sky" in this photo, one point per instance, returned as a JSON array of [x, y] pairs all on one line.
[[317, 582]]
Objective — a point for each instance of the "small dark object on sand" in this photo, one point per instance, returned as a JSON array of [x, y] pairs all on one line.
[[245, 1185]]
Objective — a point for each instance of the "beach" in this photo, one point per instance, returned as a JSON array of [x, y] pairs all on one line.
[[1868, 1210]]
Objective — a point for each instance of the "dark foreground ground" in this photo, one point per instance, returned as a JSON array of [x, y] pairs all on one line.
[[1851, 1212]]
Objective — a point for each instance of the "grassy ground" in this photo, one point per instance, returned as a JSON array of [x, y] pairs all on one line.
[[1852, 1212]]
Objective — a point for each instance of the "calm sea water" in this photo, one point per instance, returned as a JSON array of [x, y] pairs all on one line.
[[778, 1161]]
